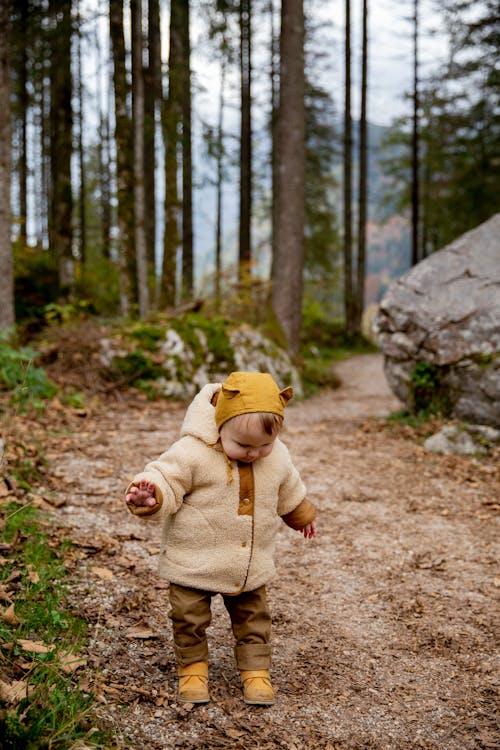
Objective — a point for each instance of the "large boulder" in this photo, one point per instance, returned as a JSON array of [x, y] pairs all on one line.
[[438, 327]]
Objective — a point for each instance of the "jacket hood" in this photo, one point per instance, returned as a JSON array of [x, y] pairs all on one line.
[[199, 421]]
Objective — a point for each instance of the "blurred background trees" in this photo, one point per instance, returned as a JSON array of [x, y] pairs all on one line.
[[134, 188]]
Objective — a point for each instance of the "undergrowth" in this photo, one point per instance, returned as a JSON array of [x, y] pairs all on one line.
[[25, 383], [39, 641], [42, 704]]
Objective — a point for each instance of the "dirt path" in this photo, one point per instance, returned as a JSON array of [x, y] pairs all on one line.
[[383, 625]]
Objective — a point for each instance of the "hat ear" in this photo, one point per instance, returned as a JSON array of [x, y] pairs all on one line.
[[229, 392], [286, 394]]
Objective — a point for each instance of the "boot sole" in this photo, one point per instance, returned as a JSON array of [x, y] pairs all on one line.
[[258, 703], [188, 700]]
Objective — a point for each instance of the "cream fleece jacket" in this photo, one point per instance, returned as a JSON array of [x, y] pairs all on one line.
[[206, 544]]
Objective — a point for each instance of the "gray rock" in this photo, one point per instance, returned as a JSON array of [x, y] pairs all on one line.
[[446, 312], [464, 440], [485, 432]]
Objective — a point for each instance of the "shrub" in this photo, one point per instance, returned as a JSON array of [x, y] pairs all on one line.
[[27, 383], [428, 393]]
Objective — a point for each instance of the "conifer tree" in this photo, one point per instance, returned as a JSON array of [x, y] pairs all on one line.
[[6, 261]]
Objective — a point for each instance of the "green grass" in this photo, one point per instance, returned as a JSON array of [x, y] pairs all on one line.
[[57, 713]]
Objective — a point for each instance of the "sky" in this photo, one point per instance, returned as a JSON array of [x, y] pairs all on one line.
[[390, 68], [390, 49]]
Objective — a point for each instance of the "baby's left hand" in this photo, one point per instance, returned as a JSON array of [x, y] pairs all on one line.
[[310, 531]]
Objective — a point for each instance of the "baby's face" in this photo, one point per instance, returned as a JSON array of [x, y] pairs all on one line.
[[244, 439]]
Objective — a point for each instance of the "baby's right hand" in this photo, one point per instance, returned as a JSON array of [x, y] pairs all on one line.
[[142, 496]]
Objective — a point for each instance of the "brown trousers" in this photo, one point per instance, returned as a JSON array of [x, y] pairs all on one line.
[[250, 619]]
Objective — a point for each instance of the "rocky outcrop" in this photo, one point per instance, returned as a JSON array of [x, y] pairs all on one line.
[[175, 362], [438, 327]]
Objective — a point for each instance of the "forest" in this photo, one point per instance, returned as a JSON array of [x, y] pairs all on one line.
[[110, 161], [193, 187]]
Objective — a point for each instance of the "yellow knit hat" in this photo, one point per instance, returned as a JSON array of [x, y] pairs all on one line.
[[250, 392]]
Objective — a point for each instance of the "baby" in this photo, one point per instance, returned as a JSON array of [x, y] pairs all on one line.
[[219, 494]]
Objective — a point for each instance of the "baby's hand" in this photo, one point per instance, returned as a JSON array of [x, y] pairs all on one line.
[[310, 531], [142, 496]]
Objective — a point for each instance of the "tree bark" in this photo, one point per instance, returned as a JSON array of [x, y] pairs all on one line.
[[81, 155], [6, 260], [138, 120], [274, 68], [219, 186], [172, 114], [61, 141], [103, 156], [187, 163], [415, 156], [245, 143], [24, 25], [124, 162], [153, 96], [348, 280], [362, 198], [287, 281]]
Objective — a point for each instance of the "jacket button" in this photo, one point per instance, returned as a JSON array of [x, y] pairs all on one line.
[[243, 544]]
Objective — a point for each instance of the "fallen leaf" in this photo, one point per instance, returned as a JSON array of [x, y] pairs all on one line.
[[15, 692], [10, 617], [140, 632], [32, 574], [4, 594], [35, 647], [235, 734], [70, 663], [118, 693], [55, 502], [105, 573], [125, 562]]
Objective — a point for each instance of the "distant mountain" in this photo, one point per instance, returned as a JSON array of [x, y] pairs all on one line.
[[388, 250]]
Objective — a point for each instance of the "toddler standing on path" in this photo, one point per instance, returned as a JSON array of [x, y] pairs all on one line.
[[219, 493]]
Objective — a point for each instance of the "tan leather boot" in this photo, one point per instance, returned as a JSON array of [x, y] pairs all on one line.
[[257, 688], [193, 683]]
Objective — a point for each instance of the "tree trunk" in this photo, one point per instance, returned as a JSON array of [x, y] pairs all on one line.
[[219, 187], [153, 96], [61, 137], [6, 261], [81, 158], [124, 162], [348, 281], [274, 67], [287, 282], [103, 156], [138, 120], [415, 158], [24, 25], [187, 162], [245, 142], [172, 113], [363, 148], [45, 224]]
